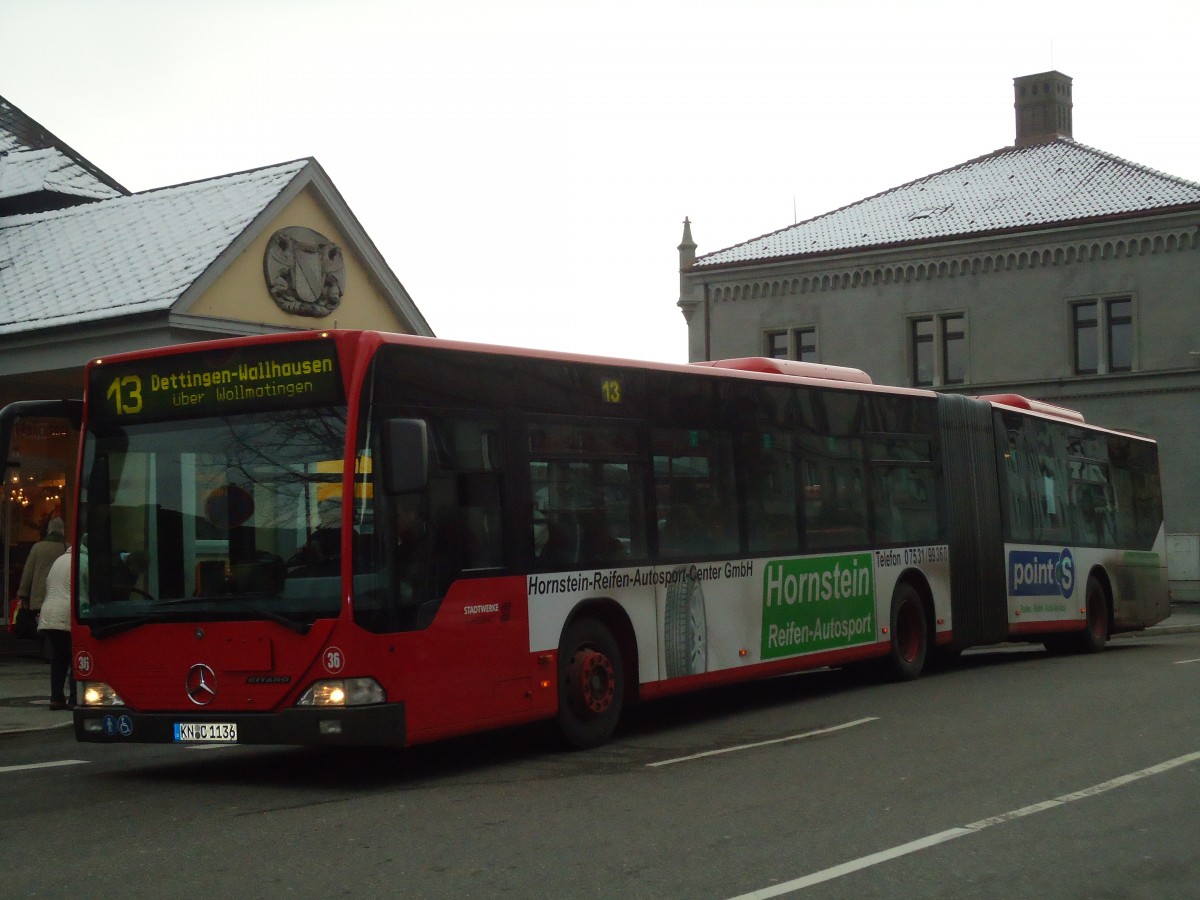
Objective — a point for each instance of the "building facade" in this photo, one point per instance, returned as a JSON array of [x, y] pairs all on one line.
[[1048, 269]]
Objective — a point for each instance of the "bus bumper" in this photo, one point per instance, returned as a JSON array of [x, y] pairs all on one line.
[[378, 725]]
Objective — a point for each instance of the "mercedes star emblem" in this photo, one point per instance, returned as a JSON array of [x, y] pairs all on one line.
[[201, 684]]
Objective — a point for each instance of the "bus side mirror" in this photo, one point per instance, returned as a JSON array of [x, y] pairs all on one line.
[[405, 455]]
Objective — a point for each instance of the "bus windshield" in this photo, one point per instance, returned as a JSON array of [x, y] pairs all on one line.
[[218, 517]]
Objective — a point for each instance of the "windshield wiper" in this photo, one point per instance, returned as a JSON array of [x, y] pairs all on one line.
[[103, 631], [292, 624], [271, 615]]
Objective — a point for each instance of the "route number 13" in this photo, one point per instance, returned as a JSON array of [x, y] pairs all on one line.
[[126, 395]]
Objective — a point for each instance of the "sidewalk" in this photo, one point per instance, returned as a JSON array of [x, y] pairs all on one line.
[[25, 689], [25, 676]]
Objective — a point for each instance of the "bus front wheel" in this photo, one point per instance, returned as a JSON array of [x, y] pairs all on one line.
[[591, 684], [909, 633]]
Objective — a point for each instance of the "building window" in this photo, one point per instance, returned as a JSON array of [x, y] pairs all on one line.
[[938, 349], [795, 343], [922, 351], [804, 340], [1120, 334], [954, 349], [1087, 338], [1102, 336], [777, 345]]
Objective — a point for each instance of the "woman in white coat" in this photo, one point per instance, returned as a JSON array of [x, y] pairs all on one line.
[[55, 624]]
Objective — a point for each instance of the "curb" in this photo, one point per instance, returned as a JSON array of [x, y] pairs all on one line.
[[31, 729], [1157, 630], [22, 713]]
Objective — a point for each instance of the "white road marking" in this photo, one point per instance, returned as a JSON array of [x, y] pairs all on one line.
[[1184, 662], [44, 765], [950, 834], [791, 737]]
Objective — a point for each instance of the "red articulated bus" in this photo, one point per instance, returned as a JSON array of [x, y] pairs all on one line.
[[351, 537]]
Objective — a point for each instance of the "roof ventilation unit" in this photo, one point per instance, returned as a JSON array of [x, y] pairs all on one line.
[[791, 367]]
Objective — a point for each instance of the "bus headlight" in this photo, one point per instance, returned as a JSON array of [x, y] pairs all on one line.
[[97, 693], [343, 692]]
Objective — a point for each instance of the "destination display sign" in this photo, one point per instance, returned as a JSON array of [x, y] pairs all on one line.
[[287, 375]]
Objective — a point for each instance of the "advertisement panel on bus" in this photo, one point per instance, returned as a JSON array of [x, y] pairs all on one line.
[[1048, 585], [729, 614]]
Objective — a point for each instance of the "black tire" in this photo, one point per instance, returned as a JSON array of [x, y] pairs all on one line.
[[909, 632], [1095, 634], [591, 684], [685, 638]]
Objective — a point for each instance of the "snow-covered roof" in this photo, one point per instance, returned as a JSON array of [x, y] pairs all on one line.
[[1015, 188], [125, 255], [49, 170], [32, 159]]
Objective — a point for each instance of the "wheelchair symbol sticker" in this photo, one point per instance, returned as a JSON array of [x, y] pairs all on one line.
[[117, 725]]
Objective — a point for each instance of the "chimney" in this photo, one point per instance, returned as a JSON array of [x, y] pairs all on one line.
[[1043, 104]]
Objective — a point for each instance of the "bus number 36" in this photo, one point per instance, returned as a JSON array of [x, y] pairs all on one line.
[[126, 395]]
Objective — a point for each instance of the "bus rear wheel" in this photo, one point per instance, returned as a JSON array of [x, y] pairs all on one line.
[[910, 634], [591, 684], [1095, 635]]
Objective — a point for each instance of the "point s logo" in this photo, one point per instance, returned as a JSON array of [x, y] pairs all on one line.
[[1041, 573]]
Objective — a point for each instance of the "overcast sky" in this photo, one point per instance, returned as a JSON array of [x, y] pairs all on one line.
[[525, 166]]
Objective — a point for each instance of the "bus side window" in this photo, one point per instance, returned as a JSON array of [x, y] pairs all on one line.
[[694, 492], [905, 505], [1092, 503], [682, 533], [835, 502], [1037, 480], [1055, 525], [1014, 465], [586, 492], [465, 499], [903, 492], [771, 503], [411, 524], [1134, 474], [451, 528], [479, 501]]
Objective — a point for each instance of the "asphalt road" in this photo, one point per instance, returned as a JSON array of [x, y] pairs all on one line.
[[1017, 774]]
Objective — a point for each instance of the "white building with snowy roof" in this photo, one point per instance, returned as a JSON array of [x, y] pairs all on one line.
[[1049, 269]]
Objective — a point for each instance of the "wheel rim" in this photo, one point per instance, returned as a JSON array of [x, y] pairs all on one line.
[[594, 681], [908, 634]]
